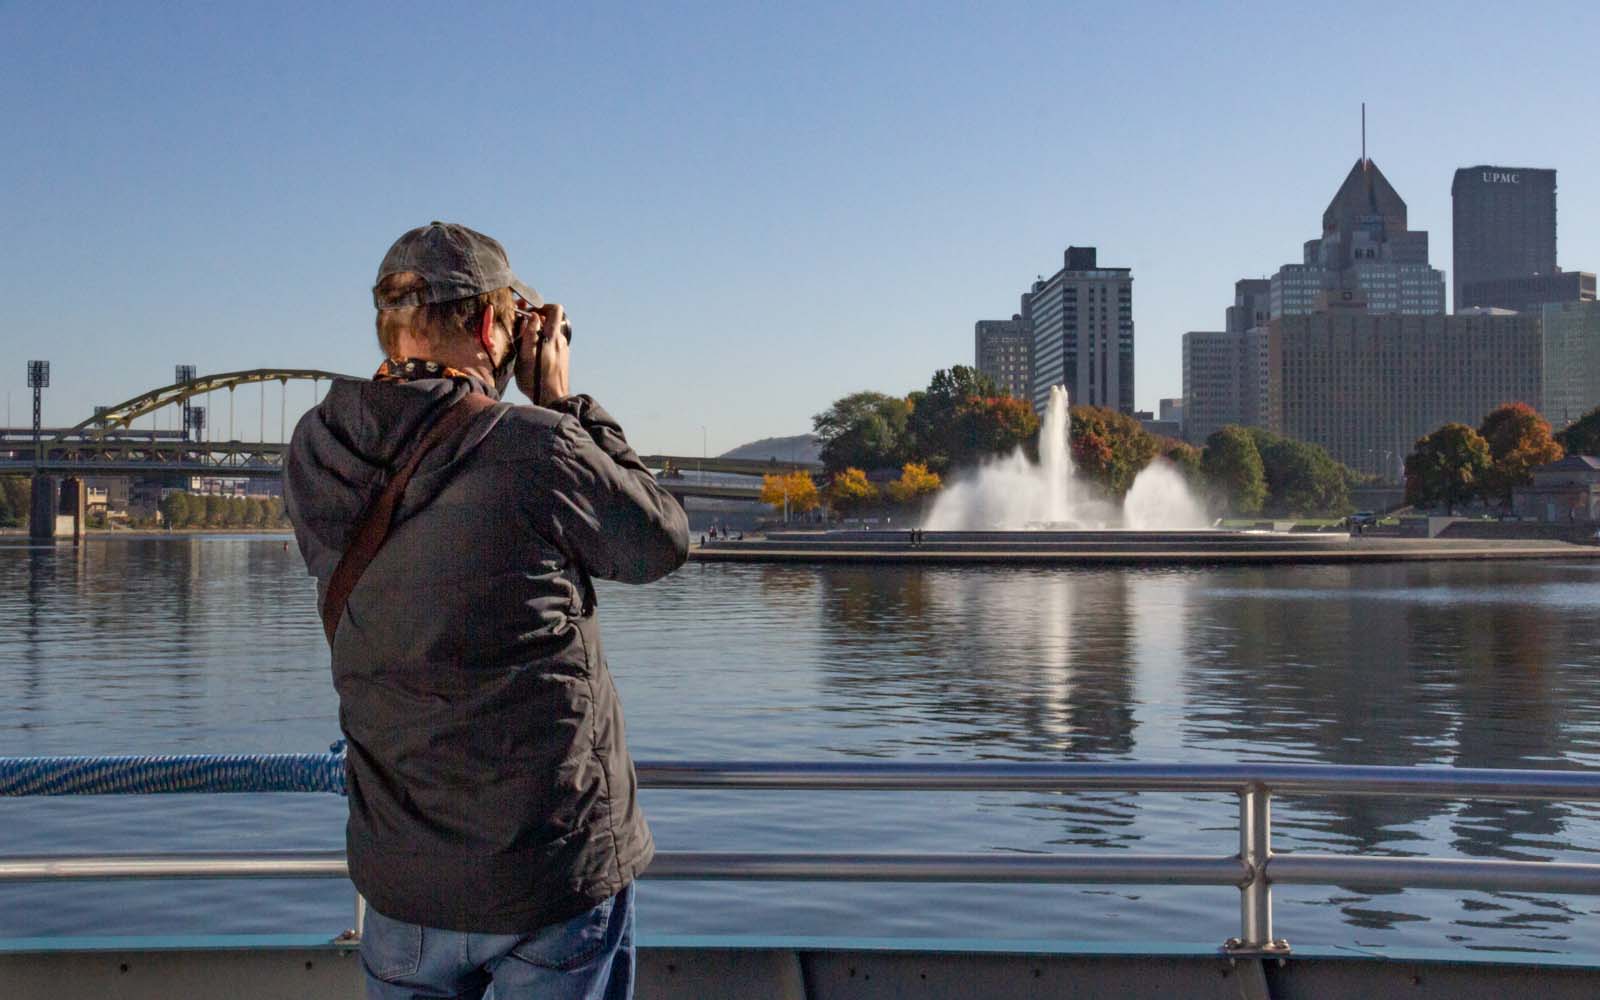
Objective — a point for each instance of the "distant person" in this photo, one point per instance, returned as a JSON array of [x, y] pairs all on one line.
[[494, 827]]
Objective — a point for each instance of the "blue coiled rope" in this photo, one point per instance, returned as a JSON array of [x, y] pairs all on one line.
[[204, 773]]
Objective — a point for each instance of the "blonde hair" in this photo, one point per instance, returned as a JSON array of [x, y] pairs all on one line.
[[440, 322]]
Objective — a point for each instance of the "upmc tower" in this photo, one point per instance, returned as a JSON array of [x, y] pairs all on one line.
[[1505, 224]]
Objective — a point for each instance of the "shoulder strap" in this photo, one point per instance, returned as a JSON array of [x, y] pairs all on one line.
[[373, 528]]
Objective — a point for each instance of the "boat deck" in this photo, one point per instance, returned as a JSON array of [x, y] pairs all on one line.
[[674, 968]]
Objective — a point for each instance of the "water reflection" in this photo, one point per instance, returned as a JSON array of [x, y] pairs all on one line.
[[213, 644], [1024, 663]]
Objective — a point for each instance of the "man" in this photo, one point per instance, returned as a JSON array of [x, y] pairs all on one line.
[[494, 828]]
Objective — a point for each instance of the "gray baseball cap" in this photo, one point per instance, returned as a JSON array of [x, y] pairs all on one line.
[[455, 261]]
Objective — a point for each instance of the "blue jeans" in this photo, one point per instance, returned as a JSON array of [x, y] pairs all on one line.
[[589, 957]]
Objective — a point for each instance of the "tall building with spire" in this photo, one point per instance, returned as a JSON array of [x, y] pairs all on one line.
[[1367, 256]]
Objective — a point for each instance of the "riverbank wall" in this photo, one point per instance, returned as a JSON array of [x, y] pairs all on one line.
[[1122, 548]]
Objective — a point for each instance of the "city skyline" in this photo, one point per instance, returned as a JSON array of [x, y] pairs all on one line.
[[867, 198]]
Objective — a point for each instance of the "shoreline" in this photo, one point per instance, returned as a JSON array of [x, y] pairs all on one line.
[[1354, 551], [103, 533]]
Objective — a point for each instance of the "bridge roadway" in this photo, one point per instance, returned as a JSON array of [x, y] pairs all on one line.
[[136, 451], [256, 460]]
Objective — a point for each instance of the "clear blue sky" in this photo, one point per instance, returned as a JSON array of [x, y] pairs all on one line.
[[749, 210]]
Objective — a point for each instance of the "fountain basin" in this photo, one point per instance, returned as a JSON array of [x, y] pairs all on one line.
[[1116, 548]]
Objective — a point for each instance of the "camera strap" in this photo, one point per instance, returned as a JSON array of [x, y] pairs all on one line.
[[372, 530]]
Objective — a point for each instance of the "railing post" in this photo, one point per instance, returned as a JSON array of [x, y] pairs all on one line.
[[1255, 895], [352, 936]]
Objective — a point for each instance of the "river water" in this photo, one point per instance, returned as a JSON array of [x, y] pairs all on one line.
[[212, 644]]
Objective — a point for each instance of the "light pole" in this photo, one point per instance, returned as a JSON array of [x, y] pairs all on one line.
[[702, 467], [38, 381], [183, 375]]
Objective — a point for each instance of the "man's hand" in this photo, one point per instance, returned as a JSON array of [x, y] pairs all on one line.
[[542, 365]]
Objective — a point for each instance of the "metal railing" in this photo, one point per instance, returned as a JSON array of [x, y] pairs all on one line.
[[1254, 870]]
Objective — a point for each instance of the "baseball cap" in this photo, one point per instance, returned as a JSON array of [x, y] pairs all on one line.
[[455, 261]]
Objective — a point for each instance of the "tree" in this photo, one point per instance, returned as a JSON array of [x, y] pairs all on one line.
[[991, 425], [1109, 447], [851, 492], [1233, 469], [175, 509], [1583, 436], [255, 512], [1183, 455], [1519, 439], [214, 508], [793, 491], [863, 429], [915, 482], [277, 517], [16, 499], [1302, 479], [1448, 466], [963, 417]]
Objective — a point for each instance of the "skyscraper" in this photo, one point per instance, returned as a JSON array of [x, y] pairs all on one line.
[[1213, 363], [1081, 321], [1366, 249], [1002, 350], [1504, 225]]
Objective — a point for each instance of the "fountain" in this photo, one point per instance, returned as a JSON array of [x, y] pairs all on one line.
[[1014, 493], [1016, 510]]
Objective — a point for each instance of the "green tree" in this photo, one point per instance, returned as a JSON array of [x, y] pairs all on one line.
[[16, 499], [851, 492], [1583, 436], [176, 510], [863, 429], [214, 512], [964, 417], [255, 512], [1303, 480], [1184, 456], [1519, 440], [1233, 470], [277, 517], [1109, 447], [1448, 467]]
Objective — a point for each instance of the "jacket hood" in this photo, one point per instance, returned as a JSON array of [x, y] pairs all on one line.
[[345, 447]]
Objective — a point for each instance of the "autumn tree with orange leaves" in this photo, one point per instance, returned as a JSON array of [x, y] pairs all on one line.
[[1110, 447], [1519, 440], [963, 418]]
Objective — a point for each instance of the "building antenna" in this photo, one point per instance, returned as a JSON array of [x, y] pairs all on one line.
[[1363, 135]]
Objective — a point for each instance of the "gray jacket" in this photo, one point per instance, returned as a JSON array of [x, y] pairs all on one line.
[[490, 784]]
